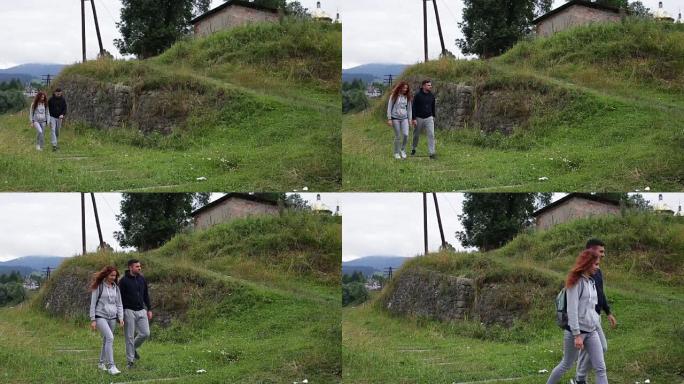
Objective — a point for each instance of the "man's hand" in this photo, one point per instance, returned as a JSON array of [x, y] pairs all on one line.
[[389, 122], [579, 342], [414, 122], [61, 117], [613, 321], [93, 325], [149, 315]]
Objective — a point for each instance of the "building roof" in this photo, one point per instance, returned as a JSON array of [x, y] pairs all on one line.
[[569, 4], [228, 3], [586, 196], [243, 196]]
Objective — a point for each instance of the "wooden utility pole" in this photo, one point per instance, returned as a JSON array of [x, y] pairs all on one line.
[[83, 231], [99, 38], [47, 272], [425, 232], [425, 37], [439, 220], [83, 37], [97, 220], [439, 27]]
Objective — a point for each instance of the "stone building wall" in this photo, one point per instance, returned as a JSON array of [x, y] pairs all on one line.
[[571, 17], [574, 209], [231, 209], [231, 17]]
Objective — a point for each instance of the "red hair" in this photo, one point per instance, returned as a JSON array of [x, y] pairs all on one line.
[[397, 90], [584, 262], [101, 275], [37, 99]]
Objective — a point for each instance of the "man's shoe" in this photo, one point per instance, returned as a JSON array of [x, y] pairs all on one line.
[[55, 148], [403, 154], [137, 356], [101, 366], [113, 370], [433, 156], [413, 152], [130, 365]]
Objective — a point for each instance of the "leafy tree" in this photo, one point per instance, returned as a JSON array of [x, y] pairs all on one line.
[[354, 100], [613, 3], [354, 293], [148, 220], [490, 27], [148, 27], [295, 201], [638, 9], [11, 101], [295, 9], [490, 220], [11, 293]]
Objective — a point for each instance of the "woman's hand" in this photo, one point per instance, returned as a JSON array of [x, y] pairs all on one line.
[[121, 322], [93, 325], [579, 342], [389, 122]]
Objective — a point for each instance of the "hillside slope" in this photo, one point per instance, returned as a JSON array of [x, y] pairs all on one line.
[[598, 107], [252, 108], [256, 300], [493, 312]]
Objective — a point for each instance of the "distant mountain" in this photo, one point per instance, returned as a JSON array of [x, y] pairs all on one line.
[[374, 71], [371, 264], [35, 263], [35, 70], [24, 78], [25, 271]]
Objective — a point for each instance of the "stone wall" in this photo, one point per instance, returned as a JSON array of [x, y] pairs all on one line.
[[573, 209], [109, 106], [573, 16], [231, 209], [231, 17], [492, 110], [426, 293]]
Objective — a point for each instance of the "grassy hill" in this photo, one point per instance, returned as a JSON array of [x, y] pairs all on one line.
[[598, 107], [253, 108], [253, 301], [644, 281]]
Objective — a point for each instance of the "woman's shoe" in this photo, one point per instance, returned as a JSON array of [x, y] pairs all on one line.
[[113, 370], [397, 156], [102, 366], [403, 154]]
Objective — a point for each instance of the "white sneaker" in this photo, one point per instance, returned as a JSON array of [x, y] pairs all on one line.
[[403, 154], [102, 366], [397, 156], [113, 370], [38, 148]]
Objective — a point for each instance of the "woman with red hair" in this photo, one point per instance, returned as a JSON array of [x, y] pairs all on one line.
[[398, 116], [105, 310], [581, 331], [38, 116]]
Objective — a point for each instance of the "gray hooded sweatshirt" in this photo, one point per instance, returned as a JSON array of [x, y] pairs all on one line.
[[400, 109], [582, 314], [109, 306]]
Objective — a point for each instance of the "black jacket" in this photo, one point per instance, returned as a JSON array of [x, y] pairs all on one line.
[[134, 292], [57, 106], [423, 105], [602, 301]]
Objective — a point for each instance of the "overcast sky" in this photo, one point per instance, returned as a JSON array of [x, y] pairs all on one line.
[[391, 224], [391, 31], [49, 31], [49, 224]]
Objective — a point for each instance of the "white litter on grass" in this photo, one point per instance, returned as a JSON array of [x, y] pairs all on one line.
[[305, 381], [647, 189], [647, 381], [543, 178], [201, 178], [305, 189], [543, 371], [201, 371]]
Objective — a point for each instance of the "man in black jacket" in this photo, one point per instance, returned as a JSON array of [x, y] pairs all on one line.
[[58, 109], [424, 117], [584, 362], [137, 310]]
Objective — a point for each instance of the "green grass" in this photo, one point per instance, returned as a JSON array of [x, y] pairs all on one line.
[[281, 327], [587, 131], [379, 347], [251, 125]]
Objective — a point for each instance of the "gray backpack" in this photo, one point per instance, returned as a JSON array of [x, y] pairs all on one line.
[[562, 307]]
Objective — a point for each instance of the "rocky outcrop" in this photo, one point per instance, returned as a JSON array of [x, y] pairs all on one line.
[[109, 106], [490, 110], [425, 293]]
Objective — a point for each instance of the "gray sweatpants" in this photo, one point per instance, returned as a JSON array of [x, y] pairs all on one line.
[[592, 345], [106, 328], [56, 124], [40, 129], [401, 131], [135, 321], [427, 125], [584, 362]]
